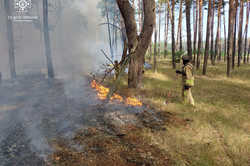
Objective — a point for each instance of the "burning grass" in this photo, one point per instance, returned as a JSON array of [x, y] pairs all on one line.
[[102, 93]]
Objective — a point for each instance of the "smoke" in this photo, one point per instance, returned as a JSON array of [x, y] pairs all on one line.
[[35, 111], [76, 40], [82, 38], [75, 33]]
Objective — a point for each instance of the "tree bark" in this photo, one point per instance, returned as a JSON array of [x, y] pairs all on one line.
[[139, 15], [248, 52], [234, 31], [47, 40], [195, 28], [125, 50], [246, 33], [207, 38], [188, 24], [231, 19], [200, 35], [159, 34], [166, 31], [124, 39], [10, 39], [179, 33], [240, 31], [212, 34], [173, 33], [218, 40], [225, 34], [137, 45]]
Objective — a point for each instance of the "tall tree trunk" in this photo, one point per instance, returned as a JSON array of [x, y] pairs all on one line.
[[220, 48], [200, 35], [207, 38], [125, 51], [225, 34], [137, 45], [179, 36], [166, 31], [232, 20], [235, 31], [246, 32], [212, 35], [159, 35], [217, 41], [248, 52], [181, 43], [155, 50], [240, 31], [188, 24], [173, 33], [47, 39], [195, 28], [139, 15], [10, 37]]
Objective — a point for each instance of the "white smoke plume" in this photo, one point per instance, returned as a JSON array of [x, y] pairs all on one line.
[[76, 39]]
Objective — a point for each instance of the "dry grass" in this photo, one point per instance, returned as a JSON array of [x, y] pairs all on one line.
[[217, 132], [220, 130]]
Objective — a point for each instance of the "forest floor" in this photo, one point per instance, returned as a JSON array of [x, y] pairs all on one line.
[[216, 132], [219, 132]]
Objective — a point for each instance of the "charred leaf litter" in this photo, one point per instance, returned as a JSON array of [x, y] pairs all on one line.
[[34, 111]]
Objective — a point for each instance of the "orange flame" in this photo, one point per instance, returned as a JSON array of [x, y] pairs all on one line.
[[103, 93], [133, 101]]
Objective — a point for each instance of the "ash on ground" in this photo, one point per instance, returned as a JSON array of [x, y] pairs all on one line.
[[34, 111]]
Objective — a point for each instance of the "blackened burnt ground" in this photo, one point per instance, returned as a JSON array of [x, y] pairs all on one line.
[[44, 121], [34, 111]]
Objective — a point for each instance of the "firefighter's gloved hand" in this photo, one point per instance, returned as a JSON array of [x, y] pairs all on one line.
[[178, 72]]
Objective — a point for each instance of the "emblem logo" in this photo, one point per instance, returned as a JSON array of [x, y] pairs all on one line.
[[23, 5]]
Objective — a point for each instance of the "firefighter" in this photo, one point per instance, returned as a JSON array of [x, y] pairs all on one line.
[[187, 80]]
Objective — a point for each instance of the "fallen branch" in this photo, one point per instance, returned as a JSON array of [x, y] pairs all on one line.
[[123, 65], [107, 57], [115, 26], [105, 75]]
